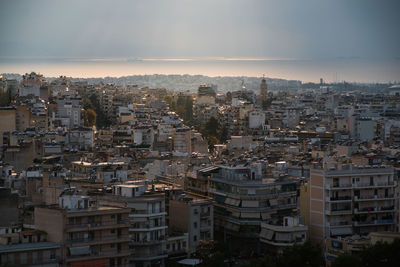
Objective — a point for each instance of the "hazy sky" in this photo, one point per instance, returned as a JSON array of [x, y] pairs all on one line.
[[206, 28]]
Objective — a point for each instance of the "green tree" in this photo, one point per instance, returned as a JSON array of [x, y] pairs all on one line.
[[223, 136], [307, 255], [212, 127], [91, 117], [347, 260], [212, 140], [188, 115], [380, 254], [92, 101], [5, 98], [170, 102]]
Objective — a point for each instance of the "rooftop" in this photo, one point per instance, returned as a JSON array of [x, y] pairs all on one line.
[[28, 247]]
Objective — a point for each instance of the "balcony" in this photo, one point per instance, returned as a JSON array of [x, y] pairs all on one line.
[[339, 199], [98, 225], [367, 210], [338, 186], [340, 224], [374, 185], [373, 197], [375, 222], [99, 240], [344, 211], [147, 242], [147, 228], [99, 254], [144, 215]]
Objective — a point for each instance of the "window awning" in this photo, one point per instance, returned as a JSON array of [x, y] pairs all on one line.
[[265, 216], [283, 237], [76, 251], [250, 204], [341, 231], [267, 234], [273, 202], [250, 215], [233, 202]]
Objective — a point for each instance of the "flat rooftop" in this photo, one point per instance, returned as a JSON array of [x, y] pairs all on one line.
[[28, 247]]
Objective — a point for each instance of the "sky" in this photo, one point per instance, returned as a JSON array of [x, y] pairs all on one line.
[[281, 29]]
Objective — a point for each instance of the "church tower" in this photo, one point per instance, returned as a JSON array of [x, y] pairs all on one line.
[[263, 92]]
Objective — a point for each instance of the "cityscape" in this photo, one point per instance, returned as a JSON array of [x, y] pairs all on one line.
[[174, 156]]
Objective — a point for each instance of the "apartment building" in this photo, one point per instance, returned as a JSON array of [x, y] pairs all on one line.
[[348, 199], [193, 214], [280, 234], [89, 234], [182, 140], [243, 200], [69, 111], [147, 223], [28, 248], [107, 171]]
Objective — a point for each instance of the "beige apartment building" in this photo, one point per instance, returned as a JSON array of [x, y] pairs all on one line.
[[147, 227], [89, 234], [192, 214], [349, 199]]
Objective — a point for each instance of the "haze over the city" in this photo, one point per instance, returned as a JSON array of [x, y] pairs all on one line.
[[337, 40]]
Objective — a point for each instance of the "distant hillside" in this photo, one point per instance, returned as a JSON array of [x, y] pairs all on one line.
[[185, 82]]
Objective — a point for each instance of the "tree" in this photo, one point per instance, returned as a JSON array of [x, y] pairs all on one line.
[[347, 260], [92, 101], [212, 127], [170, 102], [380, 254], [224, 134], [212, 140], [305, 254], [5, 98], [91, 117]]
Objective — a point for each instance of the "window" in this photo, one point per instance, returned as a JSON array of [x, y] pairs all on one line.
[[195, 211], [195, 224], [53, 254], [112, 231], [194, 238]]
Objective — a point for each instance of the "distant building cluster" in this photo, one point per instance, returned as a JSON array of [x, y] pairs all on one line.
[[98, 174]]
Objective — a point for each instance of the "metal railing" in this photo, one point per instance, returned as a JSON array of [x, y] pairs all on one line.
[[97, 224]]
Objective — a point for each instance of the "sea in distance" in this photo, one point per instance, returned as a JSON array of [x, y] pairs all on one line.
[[305, 70]]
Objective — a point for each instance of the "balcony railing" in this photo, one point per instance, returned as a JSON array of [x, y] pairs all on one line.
[[340, 224], [375, 222], [340, 211], [341, 198], [116, 238], [97, 224], [376, 184], [374, 209], [373, 197], [338, 186], [102, 253]]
